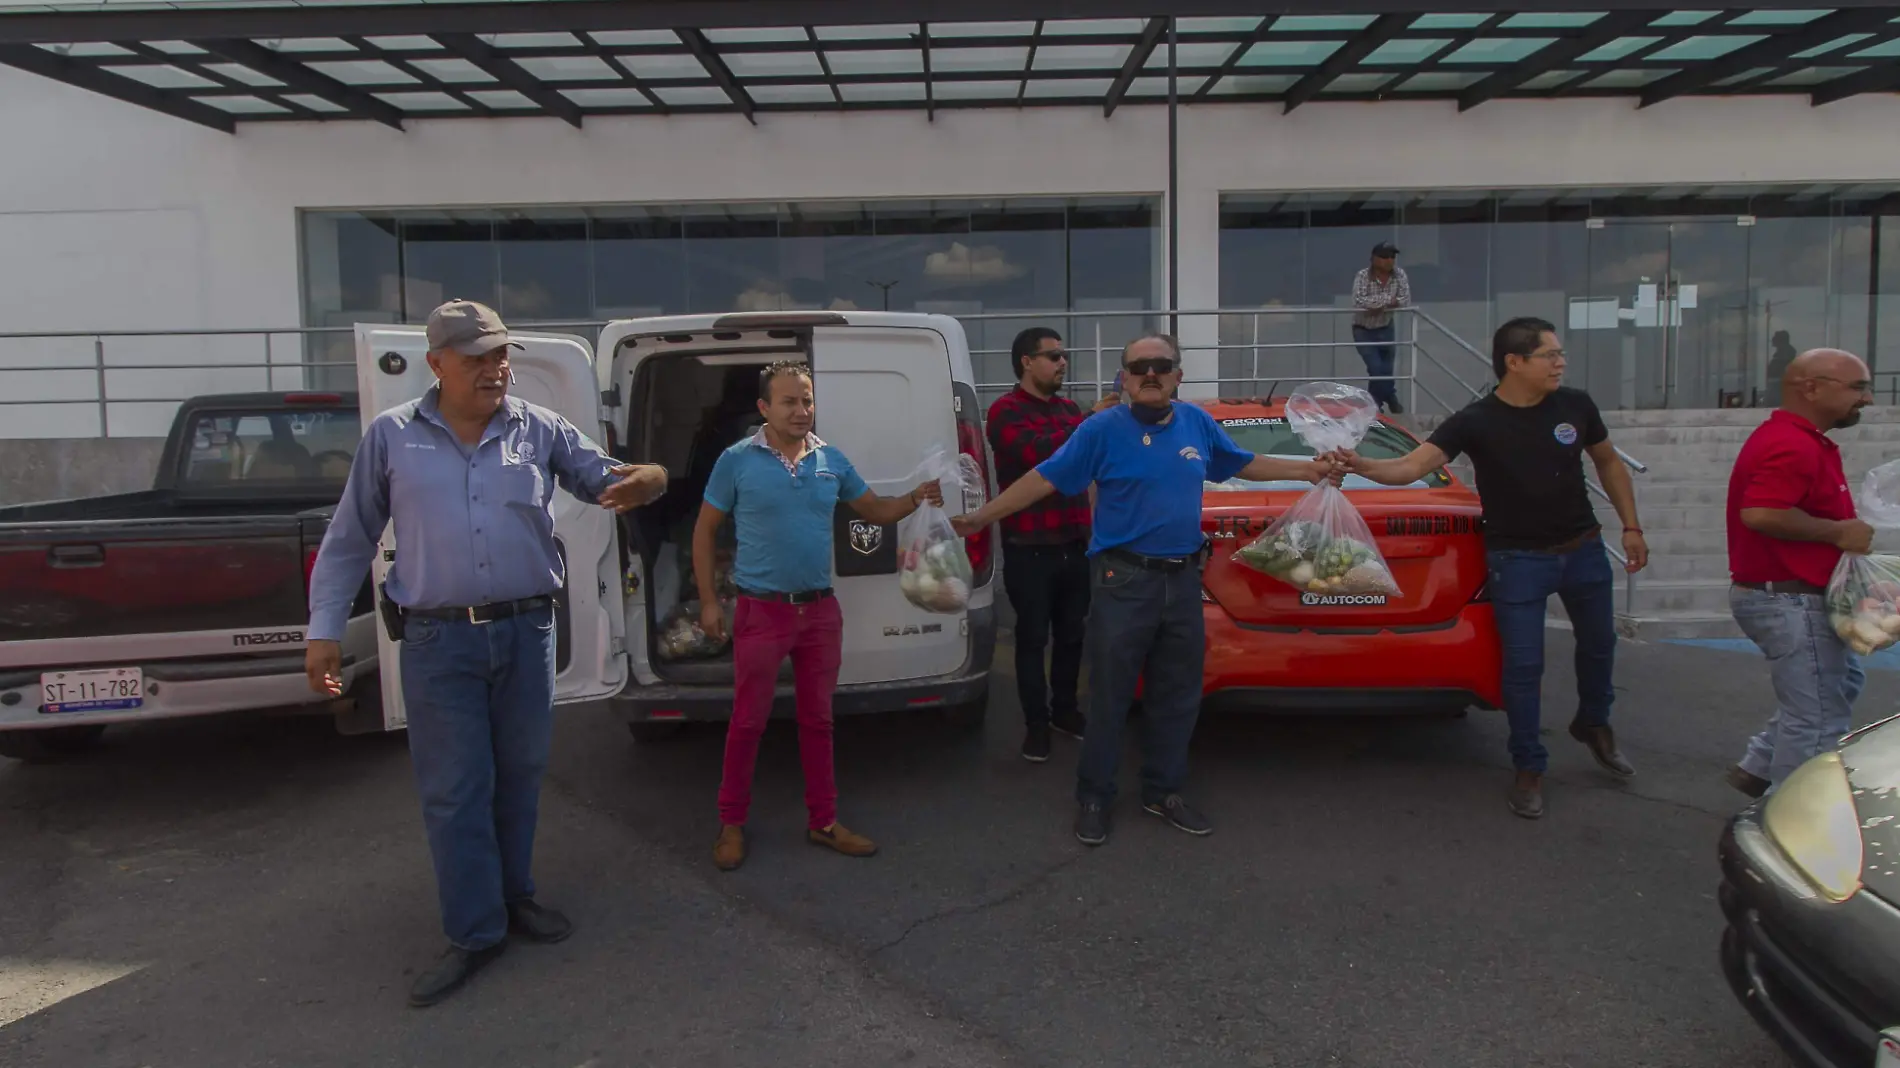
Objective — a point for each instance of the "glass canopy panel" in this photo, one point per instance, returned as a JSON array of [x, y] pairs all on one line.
[[1498, 50], [452, 70], [773, 64], [880, 61], [979, 59], [1083, 57], [243, 105], [1289, 53]]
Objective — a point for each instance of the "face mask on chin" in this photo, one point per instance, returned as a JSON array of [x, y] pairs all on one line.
[[1148, 415]]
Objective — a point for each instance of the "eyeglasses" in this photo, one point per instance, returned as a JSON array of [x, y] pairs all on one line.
[[1053, 355], [1152, 365], [1547, 354], [1862, 386]]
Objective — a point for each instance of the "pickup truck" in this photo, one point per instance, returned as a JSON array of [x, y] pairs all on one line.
[[189, 598]]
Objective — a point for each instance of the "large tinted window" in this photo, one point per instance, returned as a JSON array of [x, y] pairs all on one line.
[[1081, 265], [1667, 297], [280, 448]]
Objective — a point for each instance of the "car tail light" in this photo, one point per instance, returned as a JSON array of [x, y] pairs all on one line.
[[309, 567], [970, 442]]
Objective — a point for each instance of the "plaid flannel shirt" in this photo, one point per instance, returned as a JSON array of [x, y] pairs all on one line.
[[1024, 430], [1369, 297]]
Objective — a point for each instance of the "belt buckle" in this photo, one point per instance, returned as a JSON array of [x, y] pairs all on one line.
[[472, 618]]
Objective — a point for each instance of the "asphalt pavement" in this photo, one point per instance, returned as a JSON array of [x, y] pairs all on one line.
[[255, 891]]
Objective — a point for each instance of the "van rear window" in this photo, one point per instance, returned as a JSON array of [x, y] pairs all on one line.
[[1271, 436], [285, 449]]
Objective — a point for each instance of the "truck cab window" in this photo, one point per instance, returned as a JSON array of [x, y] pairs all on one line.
[[313, 447]]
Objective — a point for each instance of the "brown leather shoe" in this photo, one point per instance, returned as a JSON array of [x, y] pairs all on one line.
[[1602, 743], [1527, 795], [1747, 782], [842, 840], [729, 851]]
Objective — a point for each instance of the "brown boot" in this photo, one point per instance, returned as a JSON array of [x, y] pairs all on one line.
[[729, 851], [842, 840], [1527, 795]]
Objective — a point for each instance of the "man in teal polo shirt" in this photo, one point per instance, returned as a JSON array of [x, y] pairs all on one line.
[[1147, 461], [782, 486]]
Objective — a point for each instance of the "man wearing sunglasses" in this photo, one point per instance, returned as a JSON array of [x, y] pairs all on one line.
[[1147, 460], [1790, 517], [1045, 546]]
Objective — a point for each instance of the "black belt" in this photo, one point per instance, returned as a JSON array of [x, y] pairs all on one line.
[[801, 597], [1785, 586], [483, 613], [1169, 564]]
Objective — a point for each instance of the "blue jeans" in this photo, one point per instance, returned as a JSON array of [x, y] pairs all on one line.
[[1379, 349], [1816, 678], [480, 698], [1144, 627], [1521, 583]]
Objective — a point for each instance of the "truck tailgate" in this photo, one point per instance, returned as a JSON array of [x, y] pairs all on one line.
[[122, 577]]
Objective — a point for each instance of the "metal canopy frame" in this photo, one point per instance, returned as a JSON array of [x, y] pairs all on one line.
[[225, 64]]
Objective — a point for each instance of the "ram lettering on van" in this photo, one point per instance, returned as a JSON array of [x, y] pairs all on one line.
[[269, 637]]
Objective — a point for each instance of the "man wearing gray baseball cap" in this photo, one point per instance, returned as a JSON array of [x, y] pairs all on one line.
[[466, 474]]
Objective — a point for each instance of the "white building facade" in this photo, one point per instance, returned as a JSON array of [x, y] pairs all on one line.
[[1673, 243]]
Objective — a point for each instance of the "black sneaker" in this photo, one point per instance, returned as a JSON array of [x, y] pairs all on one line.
[[449, 974], [1179, 813], [1069, 724], [1396, 407], [1036, 745], [1091, 824]]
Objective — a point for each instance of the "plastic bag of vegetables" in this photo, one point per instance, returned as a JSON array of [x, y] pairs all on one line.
[[1322, 544], [1863, 596], [933, 569], [682, 638]]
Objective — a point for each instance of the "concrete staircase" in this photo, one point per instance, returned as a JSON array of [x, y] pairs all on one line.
[[1684, 591]]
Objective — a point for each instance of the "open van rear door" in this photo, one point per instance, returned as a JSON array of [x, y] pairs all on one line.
[[884, 398], [555, 371]]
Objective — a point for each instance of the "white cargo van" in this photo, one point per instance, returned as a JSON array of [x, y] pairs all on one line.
[[675, 391]]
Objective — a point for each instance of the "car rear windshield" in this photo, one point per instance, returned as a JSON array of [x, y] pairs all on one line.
[[1271, 436], [285, 449]]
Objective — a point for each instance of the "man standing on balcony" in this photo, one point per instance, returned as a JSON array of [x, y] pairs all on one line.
[[1790, 517], [1526, 440], [1376, 291], [1045, 546], [466, 474]]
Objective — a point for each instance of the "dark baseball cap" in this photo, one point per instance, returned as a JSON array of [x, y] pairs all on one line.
[[1384, 249], [467, 327]]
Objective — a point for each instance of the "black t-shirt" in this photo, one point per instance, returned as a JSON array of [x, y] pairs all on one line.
[[1529, 465]]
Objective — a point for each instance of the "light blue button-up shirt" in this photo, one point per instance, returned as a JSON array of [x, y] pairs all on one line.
[[472, 524]]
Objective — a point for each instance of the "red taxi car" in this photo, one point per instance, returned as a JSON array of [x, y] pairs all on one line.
[[1432, 649]]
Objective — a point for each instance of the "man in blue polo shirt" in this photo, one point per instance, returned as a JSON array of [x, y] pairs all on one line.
[[781, 486], [1147, 461]]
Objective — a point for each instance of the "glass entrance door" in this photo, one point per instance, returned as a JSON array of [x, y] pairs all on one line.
[[1665, 321]]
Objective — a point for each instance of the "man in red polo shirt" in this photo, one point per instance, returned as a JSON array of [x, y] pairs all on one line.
[[1790, 517]]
